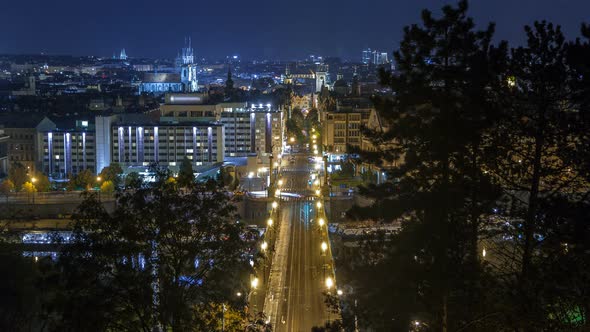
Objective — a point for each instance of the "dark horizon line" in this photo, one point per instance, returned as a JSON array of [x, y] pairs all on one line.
[[208, 58]]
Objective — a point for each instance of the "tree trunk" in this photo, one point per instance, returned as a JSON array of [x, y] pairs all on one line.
[[530, 218]]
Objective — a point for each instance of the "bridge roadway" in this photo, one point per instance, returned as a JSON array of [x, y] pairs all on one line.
[[295, 301]]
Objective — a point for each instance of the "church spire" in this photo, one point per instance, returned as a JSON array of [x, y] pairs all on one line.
[[229, 85]]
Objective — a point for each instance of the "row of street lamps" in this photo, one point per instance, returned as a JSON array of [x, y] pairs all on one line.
[[265, 245], [329, 281]]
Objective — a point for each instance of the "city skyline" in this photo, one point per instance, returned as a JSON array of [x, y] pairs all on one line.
[[264, 30]]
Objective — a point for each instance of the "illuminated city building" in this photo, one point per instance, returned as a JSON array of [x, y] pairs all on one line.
[[66, 147], [322, 78], [183, 79], [21, 141], [366, 56], [248, 129], [123, 55]]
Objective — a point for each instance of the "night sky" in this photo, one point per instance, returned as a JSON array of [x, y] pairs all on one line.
[[255, 29]]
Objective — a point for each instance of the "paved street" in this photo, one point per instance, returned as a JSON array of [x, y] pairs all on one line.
[[296, 300]]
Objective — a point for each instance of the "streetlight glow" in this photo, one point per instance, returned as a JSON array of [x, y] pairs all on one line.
[[319, 204], [254, 283], [329, 282], [280, 182], [324, 246], [269, 222], [292, 139], [339, 292], [275, 205], [264, 245], [321, 221]]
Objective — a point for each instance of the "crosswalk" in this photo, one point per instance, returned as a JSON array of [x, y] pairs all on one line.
[[291, 169], [301, 198]]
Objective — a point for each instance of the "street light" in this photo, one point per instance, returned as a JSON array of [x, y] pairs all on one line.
[[250, 176], [329, 283], [264, 245], [98, 179], [324, 246], [275, 205], [253, 286], [321, 221], [269, 222], [339, 292], [254, 283], [280, 182], [33, 180], [319, 204]]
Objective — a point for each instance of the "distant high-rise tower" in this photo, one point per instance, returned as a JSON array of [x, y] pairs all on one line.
[[380, 58], [123, 55], [367, 55]]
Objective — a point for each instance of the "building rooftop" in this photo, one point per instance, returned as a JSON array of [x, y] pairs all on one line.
[[161, 78]]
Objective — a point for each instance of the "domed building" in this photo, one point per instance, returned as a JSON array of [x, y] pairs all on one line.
[[340, 86]]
